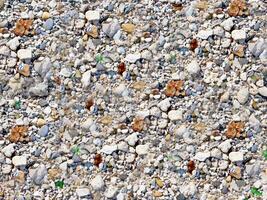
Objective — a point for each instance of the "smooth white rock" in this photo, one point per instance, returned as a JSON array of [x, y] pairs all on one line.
[[13, 43], [24, 54], [239, 34], [164, 104], [205, 34], [227, 24], [19, 161], [86, 78], [243, 95], [175, 115], [202, 156], [132, 139], [8, 150], [82, 192], [225, 146], [92, 15], [109, 149], [263, 91], [236, 156], [132, 58]]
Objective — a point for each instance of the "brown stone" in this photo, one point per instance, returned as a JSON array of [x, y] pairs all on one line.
[[129, 28]]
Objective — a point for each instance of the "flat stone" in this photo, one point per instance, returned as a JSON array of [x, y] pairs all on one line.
[[92, 15], [109, 149], [24, 54], [202, 156], [263, 91], [86, 79], [142, 149], [8, 150], [39, 174], [43, 67], [132, 58], [132, 139], [97, 183], [19, 161], [82, 192], [253, 170], [66, 72], [129, 28], [175, 115], [239, 34], [48, 24], [13, 43], [236, 156], [39, 90], [225, 146], [205, 34], [243, 95], [110, 29]]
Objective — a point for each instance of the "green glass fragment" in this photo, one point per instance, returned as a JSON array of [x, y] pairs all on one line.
[[255, 192], [59, 184], [265, 154], [17, 104]]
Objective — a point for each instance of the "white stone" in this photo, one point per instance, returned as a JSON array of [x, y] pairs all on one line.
[[119, 89], [97, 183], [66, 72], [238, 34], [202, 156], [225, 146], [263, 91], [92, 15], [13, 43], [132, 58], [142, 149], [87, 123], [123, 146], [109, 149], [82, 192], [111, 192], [164, 104], [179, 131], [236, 156], [227, 24], [175, 115], [243, 95], [19, 161], [132, 139], [86, 79], [205, 34], [193, 67], [8, 150], [4, 50], [24, 54], [216, 153]]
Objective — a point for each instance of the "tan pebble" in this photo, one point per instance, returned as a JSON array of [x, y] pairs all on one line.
[[46, 15], [93, 32], [239, 51], [40, 122], [159, 182], [20, 177], [25, 71], [129, 28], [236, 173], [157, 193]]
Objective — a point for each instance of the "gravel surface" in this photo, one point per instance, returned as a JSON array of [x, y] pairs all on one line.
[[133, 99]]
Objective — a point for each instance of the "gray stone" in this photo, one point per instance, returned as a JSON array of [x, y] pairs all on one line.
[[48, 24], [110, 29], [253, 170], [257, 48], [13, 43], [225, 146], [43, 67], [39, 90], [39, 174], [43, 132], [66, 72]]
